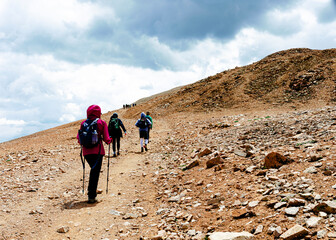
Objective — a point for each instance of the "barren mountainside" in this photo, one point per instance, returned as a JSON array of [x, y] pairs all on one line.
[[293, 77]]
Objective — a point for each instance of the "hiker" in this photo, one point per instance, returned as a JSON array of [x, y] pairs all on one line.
[[115, 132], [143, 124], [151, 120], [94, 154]]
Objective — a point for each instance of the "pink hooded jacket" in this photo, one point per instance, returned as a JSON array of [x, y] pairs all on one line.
[[94, 112]]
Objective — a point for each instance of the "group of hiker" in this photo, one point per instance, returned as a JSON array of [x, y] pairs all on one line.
[[93, 131]]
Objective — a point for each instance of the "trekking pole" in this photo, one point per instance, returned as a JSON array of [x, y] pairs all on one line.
[[83, 163], [108, 167]]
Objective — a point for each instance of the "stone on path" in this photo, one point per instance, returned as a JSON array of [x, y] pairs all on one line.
[[63, 229], [231, 236], [295, 232]]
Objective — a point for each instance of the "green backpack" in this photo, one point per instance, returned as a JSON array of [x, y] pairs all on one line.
[[113, 124]]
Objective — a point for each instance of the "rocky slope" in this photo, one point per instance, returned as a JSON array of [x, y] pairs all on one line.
[[291, 78], [205, 173]]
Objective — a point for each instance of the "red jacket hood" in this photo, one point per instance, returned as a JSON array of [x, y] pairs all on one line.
[[93, 112]]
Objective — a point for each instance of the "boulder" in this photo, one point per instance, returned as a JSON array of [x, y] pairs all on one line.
[[276, 160], [296, 232], [327, 207], [213, 162]]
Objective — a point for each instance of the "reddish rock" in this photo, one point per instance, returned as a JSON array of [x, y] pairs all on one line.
[[242, 213], [214, 161], [276, 160], [219, 167], [205, 152], [192, 165]]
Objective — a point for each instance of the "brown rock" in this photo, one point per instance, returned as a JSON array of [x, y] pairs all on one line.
[[219, 167], [276, 160], [205, 152], [215, 201], [261, 173], [327, 207], [214, 161], [242, 213], [192, 165], [296, 232], [63, 229]]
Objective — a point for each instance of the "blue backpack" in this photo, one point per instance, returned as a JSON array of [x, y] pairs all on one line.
[[88, 134]]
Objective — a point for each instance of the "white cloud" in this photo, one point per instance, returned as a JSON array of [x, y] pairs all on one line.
[[4, 121], [59, 57]]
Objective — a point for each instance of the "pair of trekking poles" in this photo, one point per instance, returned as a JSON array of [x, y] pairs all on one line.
[[108, 167]]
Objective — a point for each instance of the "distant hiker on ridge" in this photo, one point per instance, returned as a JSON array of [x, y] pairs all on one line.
[[151, 120], [115, 132], [143, 124], [92, 132]]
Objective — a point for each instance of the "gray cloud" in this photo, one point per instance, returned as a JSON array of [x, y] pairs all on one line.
[[178, 20], [124, 38], [328, 13]]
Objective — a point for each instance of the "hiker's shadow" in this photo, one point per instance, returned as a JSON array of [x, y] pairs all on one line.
[[78, 205]]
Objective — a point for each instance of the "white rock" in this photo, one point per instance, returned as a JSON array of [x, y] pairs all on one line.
[[253, 204], [313, 222], [323, 215], [332, 235], [279, 205], [259, 229], [292, 211], [321, 234], [310, 170], [273, 178], [295, 232], [231, 236]]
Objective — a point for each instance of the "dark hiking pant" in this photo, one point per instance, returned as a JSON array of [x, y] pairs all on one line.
[[144, 134], [116, 141], [95, 162]]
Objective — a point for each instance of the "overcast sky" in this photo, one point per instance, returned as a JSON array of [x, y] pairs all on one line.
[[57, 57]]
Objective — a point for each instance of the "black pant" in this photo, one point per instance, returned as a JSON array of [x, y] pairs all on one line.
[[95, 162], [116, 140]]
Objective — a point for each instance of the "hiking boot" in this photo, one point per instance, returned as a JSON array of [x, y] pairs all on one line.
[[118, 153], [92, 200], [141, 149], [146, 147], [114, 155]]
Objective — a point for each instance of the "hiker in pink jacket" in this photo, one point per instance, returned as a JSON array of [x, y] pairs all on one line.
[[94, 155]]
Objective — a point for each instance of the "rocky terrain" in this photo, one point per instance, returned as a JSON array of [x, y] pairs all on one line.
[[254, 159]]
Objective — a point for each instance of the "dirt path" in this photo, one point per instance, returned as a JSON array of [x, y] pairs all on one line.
[[127, 211]]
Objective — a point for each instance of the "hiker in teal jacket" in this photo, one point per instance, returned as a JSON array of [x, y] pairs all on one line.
[[151, 120], [115, 132]]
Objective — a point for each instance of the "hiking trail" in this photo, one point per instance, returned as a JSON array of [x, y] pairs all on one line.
[[59, 205]]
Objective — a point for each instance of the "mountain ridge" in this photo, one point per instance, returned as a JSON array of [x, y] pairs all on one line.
[[294, 77]]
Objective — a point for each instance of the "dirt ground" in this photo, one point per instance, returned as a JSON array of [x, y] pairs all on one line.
[[151, 195], [41, 181]]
